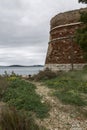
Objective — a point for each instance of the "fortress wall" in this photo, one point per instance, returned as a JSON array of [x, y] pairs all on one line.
[[66, 17], [64, 67], [62, 49]]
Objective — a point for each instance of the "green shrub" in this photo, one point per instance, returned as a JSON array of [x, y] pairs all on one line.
[[71, 87], [22, 95], [70, 97], [85, 67], [45, 75], [3, 85]]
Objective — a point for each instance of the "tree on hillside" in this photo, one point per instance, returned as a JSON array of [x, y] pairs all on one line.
[[81, 35], [83, 1]]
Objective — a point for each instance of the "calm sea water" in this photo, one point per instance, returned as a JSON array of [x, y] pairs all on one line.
[[20, 70]]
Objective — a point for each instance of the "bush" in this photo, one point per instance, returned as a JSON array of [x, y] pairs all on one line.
[[11, 119], [85, 67], [71, 87], [22, 95], [45, 75], [70, 97], [3, 85]]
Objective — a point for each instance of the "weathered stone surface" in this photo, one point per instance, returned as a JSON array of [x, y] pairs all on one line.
[[67, 17], [62, 49], [64, 67]]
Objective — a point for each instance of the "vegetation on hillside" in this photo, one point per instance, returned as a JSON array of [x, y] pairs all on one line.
[[22, 95], [81, 35], [83, 1], [71, 87], [45, 74], [3, 85], [24, 104], [11, 119]]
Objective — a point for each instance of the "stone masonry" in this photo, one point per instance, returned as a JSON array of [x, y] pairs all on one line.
[[62, 49]]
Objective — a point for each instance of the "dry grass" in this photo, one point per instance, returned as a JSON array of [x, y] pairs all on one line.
[[11, 119]]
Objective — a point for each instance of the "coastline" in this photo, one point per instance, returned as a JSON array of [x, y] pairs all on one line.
[[23, 71]]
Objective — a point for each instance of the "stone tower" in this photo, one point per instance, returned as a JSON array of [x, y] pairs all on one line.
[[63, 53]]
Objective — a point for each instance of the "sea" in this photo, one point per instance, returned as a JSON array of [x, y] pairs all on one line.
[[21, 70]]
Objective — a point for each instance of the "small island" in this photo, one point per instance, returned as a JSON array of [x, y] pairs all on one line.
[[25, 66]]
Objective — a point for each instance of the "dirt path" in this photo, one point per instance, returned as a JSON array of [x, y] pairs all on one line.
[[62, 117]]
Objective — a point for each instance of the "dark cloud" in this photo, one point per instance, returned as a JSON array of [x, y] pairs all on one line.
[[24, 28]]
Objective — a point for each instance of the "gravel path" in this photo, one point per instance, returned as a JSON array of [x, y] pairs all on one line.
[[61, 117]]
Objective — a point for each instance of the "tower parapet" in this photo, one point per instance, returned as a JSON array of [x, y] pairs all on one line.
[[63, 52]]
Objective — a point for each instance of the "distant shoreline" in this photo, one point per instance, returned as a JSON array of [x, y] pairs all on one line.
[[23, 66], [21, 70]]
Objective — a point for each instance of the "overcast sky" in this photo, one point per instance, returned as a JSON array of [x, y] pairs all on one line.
[[24, 29]]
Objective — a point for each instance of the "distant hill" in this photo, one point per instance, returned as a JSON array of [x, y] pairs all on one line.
[[25, 66], [15, 66]]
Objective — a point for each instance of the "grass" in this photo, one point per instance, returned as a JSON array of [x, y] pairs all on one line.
[[22, 95], [71, 87], [11, 119], [23, 102]]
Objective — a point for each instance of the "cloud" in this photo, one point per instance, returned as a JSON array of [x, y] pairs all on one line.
[[24, 28]]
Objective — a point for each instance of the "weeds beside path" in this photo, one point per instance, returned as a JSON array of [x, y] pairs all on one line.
[[19, 102], [61, 117]]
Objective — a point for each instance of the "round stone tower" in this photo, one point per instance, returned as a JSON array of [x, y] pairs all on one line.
[[63, 53]]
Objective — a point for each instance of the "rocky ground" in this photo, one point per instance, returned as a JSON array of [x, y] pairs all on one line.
[[61, 117]]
